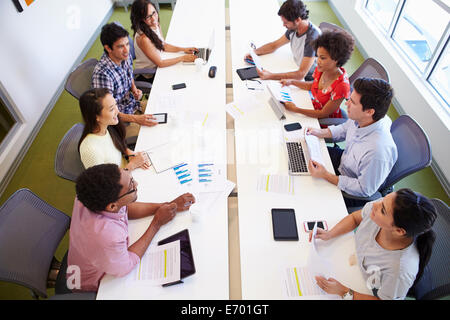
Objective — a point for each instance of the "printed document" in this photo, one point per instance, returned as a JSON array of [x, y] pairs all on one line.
[[313, 144], [275, 183], [301, 282], [160, 264]]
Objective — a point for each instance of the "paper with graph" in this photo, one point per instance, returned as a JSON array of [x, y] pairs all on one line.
[[159, 265]]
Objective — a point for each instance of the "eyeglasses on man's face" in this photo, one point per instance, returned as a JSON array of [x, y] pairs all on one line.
[[131, 187]]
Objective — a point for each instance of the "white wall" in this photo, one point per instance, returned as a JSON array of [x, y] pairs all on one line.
[[411, 96], [39, 47]]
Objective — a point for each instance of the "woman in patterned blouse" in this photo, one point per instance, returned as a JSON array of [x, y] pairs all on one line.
[[331, 85]]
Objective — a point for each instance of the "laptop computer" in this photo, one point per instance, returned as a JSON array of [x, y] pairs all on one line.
[[205, 53], [187, 267], [300, 152]]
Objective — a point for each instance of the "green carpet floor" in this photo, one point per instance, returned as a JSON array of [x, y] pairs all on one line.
[[36, 171]]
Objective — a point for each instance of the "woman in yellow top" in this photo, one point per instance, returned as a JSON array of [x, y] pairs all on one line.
[[103, 138]]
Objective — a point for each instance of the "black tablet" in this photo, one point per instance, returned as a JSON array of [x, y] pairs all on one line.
[[247, 73], [160, 117], [186, 257], [284, 224]]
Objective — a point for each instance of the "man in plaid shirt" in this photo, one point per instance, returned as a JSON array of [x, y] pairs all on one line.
[[114, 71]]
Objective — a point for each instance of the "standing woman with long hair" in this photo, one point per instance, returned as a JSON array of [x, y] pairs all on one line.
[[148, 39], [103, 137], [394, 241]]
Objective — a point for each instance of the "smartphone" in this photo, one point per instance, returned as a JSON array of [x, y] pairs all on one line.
[[309, 225], [284, 225], [179, 86], [292, 126], [160, 117]]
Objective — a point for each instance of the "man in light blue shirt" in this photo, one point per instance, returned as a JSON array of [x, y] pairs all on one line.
[[370, 151]]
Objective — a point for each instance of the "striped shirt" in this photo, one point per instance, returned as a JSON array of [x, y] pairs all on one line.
[[118, 80]]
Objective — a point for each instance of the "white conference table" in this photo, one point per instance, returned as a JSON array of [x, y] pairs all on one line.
[[197, 124], [260, 149]]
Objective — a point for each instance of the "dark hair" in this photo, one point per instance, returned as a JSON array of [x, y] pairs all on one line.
[[91, 106], [111, 32], [139, 11], [375, 94], [293, 9], [99, 186], [416, 215], [339, 45]]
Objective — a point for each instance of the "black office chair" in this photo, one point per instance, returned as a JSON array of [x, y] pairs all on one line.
[[68, 163], [30, 232], [80, 79], [328, 26], [414, 154], [435, 281]]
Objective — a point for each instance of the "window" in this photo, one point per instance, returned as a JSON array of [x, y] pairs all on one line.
[[420, 29], [383, 11], [6, 121], [440, 77]]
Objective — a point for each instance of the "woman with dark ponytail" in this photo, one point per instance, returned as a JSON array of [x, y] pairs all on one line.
[[148, 39], [394, 241], [103, 137]]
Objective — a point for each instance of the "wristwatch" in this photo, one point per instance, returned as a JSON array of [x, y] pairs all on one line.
[[348, 295]]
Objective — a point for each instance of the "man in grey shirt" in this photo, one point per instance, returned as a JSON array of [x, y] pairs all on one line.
[[300, 33], [370, 151]]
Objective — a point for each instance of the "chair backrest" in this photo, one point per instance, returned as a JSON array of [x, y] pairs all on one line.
[[370, 68], [435, 282], [79, 81], [327, 26], [30, 232], [68, 163], [413, 147]]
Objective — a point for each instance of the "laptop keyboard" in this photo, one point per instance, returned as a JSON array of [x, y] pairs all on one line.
[[297, 162]]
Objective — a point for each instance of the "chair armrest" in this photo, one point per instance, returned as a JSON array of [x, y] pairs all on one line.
[[332, 121], [144, 71], [375, 196]]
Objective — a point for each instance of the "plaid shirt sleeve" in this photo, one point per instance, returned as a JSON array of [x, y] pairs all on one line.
[[100, 79]]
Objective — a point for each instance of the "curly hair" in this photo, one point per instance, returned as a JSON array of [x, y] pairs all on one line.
[[98, 186], [375, 94], [339, 45], [293, 9]]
